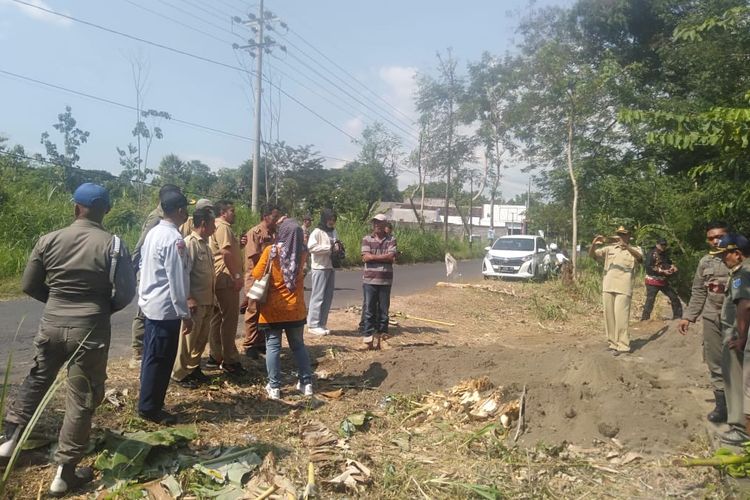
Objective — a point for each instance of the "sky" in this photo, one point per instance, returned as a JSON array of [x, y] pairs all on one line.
[[347, 64]]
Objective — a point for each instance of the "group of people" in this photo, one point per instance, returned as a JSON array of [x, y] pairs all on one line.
[[188, 273], [720, 295]]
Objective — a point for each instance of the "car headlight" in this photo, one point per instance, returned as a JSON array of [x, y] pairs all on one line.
[[527, 258]]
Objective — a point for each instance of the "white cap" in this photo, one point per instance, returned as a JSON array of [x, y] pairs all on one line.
[[380, 217]]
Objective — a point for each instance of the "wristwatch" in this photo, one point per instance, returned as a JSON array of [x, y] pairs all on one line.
[[237, 276]]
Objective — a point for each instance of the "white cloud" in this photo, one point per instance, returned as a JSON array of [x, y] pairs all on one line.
[[37, 14], [354, 126], [401, 89]]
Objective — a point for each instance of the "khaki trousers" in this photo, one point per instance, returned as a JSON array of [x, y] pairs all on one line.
[[616, 319], [734, 390], [712, 351], [87, 371], [252, 338], [224, 326], [191, 346]]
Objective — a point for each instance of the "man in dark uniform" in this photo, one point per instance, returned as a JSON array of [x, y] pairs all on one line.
[[258, 238], [706, 298], [733, 250], [152, 220], [83, 274], [659, 268]]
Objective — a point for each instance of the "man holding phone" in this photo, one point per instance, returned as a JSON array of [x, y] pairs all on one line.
[[620, 259]]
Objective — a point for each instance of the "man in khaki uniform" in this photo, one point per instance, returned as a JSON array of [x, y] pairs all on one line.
[[187, 370], [735, 314], [620, 259], [83, 274], [228, 271], [188, 226], [707, 298], [258, 238]]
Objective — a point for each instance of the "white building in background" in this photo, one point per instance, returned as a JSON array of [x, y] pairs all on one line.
[[508, 219]]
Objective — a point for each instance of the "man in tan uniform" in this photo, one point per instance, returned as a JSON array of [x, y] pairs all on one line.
[[228, 271], [707, 298], [620, 259], [258, 238], [83, 274], [187, 370], [188, 226]]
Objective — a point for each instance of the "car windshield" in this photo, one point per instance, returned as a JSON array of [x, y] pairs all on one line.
[[519, 244]]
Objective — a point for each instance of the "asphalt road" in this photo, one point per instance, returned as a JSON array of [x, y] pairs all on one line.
[[408, 279]]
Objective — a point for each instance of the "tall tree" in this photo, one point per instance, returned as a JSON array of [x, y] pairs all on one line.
[[444, 149]]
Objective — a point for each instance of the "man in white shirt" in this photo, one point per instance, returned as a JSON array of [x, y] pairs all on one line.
[[162, 296]]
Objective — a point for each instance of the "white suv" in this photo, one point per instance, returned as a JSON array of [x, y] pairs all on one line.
[[517, 256]]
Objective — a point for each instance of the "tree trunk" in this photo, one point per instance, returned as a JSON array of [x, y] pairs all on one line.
[[574, 182]]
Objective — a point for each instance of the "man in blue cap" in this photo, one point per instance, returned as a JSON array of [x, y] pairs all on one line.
[[735, 320], [83, 274]]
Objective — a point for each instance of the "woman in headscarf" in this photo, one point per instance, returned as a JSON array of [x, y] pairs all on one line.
[[284, 308], [321, 244]]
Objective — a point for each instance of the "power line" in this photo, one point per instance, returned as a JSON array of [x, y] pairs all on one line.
[[403, 126], [337, 66], [133, 108], [181, 52], [164, 16]]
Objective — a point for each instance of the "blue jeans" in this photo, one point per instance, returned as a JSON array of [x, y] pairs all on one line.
[[294, 337], [160, 342], [375, 310]]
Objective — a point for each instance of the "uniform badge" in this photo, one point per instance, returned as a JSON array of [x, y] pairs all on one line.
[[181, 247], [736, 283]]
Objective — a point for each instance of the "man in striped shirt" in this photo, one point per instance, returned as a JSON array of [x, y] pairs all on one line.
[[378, 254]]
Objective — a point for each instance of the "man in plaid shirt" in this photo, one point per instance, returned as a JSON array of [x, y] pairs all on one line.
[[378, 254]]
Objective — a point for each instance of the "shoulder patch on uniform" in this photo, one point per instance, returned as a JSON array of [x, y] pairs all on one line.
[[737, 282], [181, 247]]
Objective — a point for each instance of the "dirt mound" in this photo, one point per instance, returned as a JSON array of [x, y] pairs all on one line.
[[652, 400]]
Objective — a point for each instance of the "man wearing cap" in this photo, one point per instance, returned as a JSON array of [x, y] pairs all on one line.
[[152, 220], [707, 298], [620, 259], [378, 254], [659, 268], [228, 272], [83, 274], [187, 371], [735, 320], [163, 297], [201, 204], [258, 238]]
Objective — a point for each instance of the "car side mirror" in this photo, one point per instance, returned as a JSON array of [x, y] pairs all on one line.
[[541, 250], [486, 249]]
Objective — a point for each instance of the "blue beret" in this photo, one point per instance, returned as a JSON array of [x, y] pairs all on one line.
[[88, 193], [731, 241]]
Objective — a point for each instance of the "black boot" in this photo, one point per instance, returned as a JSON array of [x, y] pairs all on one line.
[[719, 413]]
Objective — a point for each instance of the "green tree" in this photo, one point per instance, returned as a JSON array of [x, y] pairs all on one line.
[[67, 159]]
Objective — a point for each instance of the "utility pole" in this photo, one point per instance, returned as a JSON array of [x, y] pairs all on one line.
[[265, 20]]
